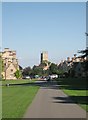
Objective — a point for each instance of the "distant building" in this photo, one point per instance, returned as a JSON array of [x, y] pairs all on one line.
[[10, 63], [44, 56], [75, 64], [68, 59], [44, 60]]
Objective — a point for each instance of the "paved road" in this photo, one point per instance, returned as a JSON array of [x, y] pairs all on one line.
[[50, 102]]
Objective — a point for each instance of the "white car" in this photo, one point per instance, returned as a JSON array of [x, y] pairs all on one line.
[[27, 77], [53, 76]]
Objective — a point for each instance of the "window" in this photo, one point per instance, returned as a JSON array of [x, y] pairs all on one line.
[[11, 70]]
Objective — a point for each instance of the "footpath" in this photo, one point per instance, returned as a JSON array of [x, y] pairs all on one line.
[[51, 102]]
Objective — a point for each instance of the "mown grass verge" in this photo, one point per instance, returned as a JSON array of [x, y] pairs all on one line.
[[16, 99], [76, 89]]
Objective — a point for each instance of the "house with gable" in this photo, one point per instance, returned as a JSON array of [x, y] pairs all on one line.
[[10, 63]]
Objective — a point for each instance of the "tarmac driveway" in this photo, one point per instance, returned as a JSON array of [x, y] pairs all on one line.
[[50, 102]]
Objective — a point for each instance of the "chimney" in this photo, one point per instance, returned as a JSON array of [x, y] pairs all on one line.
[[68, 59], [6, 49]]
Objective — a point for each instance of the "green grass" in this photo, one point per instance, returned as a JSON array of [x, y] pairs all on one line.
[[77, 89], [16, 99]]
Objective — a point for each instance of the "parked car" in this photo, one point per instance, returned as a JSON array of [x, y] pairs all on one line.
[[26, 77], [53, 76]]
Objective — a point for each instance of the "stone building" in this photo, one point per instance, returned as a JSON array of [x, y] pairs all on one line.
[[74, 65], [44, 56], [10, 63], [44, 60]]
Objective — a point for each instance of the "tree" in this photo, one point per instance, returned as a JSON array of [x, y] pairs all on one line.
[[85, 55], [53, 69], [18, 74], [37, 70], [60, 72], [26, 71]]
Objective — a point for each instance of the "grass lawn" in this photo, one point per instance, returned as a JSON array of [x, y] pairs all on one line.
[[16, 99], [76, 88]]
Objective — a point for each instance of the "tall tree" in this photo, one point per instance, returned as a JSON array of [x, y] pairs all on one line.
[[85, 55], [26, 71], [53, 69], [37, 70]]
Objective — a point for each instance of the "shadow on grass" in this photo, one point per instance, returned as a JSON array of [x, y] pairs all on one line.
[[73, 83], [45, 84], [71, 100], [62, 83], [71, 87]]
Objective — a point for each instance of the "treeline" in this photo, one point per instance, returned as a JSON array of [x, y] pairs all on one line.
[[39, 70], [65, 69]]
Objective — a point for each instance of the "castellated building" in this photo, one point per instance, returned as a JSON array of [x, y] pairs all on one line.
[[44, 56], [10, 63]]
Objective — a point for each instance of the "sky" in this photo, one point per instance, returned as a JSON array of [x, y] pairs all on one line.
[[87, 24], [30, 28], [0, 25]]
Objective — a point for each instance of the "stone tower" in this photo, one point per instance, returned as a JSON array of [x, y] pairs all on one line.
[[44, 56]]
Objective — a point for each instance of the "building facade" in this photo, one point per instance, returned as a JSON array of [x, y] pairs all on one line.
[[74, 66], [44, 56], [10, 63]]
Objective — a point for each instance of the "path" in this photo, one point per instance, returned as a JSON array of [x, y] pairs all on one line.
[[50, 102]]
